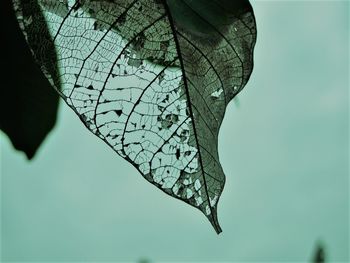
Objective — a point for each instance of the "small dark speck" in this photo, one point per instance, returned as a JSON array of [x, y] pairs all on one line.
[[177, 154], [119, 112]]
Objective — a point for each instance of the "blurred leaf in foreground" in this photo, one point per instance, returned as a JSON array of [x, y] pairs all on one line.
[[28, 102]]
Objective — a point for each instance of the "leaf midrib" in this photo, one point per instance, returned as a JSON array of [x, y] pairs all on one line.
[[177, 45]]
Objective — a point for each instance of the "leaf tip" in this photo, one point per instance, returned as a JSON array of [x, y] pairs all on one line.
[[29, 155], [218, 229], [213, 219]]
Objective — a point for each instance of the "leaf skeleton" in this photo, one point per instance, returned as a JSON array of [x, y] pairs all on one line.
[[151, 78]]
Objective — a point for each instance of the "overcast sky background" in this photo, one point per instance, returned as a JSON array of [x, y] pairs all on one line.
[[284, 150]]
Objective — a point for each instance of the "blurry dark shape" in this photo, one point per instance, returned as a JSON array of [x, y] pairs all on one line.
[[144, 260], [319, 254], [203, 18], [28, 102]]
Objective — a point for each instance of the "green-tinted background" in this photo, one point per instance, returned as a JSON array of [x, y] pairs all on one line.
[[284, 150]]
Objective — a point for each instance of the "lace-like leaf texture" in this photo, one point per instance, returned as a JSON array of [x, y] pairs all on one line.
[[152, 79]]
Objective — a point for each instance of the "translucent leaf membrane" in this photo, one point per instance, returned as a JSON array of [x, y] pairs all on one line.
[[152, 86]]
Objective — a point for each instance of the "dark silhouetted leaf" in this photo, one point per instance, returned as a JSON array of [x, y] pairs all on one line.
[[28, 102], [152, 78]]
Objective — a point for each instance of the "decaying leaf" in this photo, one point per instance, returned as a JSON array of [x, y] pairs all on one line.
[[152, 78]]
